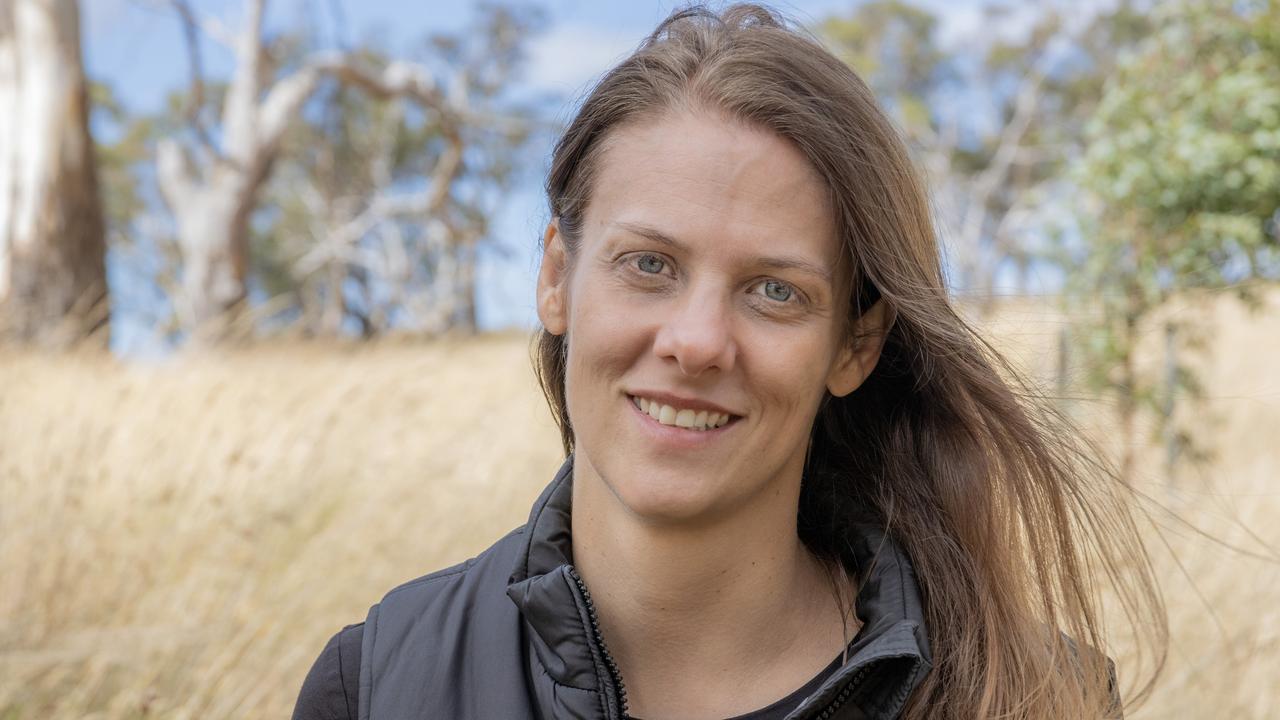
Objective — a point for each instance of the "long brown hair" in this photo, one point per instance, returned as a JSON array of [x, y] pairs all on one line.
[[1016, 526]]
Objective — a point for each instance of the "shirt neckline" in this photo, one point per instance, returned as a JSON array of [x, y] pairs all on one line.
[[779, 708]]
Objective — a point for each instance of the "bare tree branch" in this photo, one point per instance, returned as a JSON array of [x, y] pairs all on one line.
[[978, 205], [195, 99], [273, 116], [209, 25], [397, 79]]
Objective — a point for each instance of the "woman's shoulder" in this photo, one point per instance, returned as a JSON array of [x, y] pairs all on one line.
[[331, 689]]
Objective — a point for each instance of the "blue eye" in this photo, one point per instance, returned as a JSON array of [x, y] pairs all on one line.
[[779, 291], [650, 264]]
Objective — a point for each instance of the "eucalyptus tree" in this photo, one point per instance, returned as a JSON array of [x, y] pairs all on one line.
[[213, 176], [1183, 172], [53, 287], [380, 209]]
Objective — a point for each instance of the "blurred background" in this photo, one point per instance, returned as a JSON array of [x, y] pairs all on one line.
[[266, 295]]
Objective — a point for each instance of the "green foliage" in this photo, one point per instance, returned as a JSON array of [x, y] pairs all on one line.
[[144, 250], [893, 45], [1183, 171], [1187, 140], [121, 198]]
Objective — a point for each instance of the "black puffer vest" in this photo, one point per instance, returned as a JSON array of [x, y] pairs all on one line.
[[512, 633]]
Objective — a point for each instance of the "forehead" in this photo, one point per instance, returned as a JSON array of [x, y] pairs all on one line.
[[716, 183]]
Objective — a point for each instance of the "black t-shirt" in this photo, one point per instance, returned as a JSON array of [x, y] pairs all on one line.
[[331, 689], [780, 709]]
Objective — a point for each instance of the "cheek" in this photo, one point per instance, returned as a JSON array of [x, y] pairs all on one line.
[[790, 373], [606, 338]]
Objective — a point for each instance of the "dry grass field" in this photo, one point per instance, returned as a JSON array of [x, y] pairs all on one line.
[[178, 540]]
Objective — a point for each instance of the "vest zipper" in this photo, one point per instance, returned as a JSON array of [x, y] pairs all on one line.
[[830, 711], [614, 675]]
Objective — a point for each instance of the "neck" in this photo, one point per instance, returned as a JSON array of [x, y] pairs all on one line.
[[733, 597]]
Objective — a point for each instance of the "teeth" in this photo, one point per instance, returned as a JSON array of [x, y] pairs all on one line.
[[685, 418]]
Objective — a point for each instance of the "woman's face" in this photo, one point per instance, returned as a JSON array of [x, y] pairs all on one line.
[[705, 285]]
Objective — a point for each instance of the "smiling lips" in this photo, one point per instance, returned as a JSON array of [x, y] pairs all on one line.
[[681, 417]]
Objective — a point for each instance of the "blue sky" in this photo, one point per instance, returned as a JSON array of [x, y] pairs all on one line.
[[137, 47], [137, 44]]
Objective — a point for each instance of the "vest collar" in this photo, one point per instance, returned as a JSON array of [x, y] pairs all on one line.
[[887, 659]]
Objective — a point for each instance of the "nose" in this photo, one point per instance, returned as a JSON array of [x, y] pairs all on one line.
[[697, 334]]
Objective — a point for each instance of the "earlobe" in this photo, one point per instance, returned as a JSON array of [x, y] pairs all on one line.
[[859, 357], [552, 282]]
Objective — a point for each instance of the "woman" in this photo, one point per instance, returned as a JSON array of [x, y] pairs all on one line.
[[797, 483]]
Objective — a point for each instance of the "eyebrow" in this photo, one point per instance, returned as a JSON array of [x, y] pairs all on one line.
[[776, 263]]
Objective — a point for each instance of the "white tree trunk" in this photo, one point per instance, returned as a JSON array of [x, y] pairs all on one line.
[[52, 241], [212, 199]]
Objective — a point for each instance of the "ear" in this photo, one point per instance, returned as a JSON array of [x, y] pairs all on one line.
[[553, 281], [861, 351]]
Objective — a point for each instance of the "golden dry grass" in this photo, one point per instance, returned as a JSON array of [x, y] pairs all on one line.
[[179, 540]]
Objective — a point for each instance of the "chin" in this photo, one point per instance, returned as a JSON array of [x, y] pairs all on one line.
[[664, 497]]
